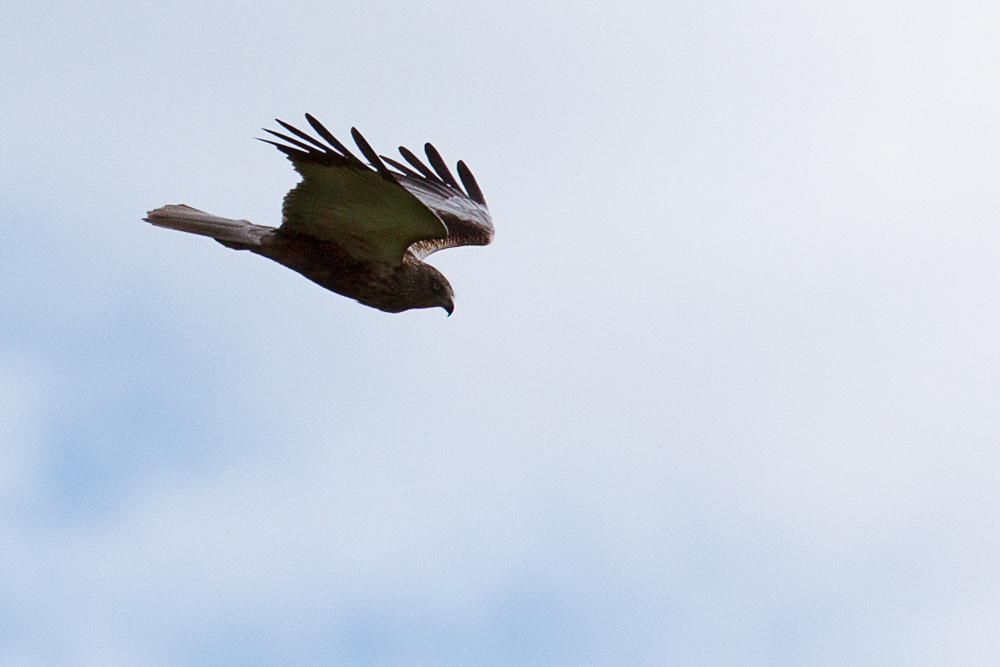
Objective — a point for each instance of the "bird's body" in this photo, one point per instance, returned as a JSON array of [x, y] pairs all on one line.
[[383, 285], [356, 230]]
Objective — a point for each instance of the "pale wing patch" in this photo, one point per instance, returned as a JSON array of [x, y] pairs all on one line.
[[442, 200], [468, 222]]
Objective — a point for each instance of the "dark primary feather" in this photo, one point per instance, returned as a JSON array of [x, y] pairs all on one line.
[[469, 181], [369, 153], [334, 154], [420, 166], [285, 137], [401, 167], [326, 134], [306, 153], [299, 133], [439, 166]]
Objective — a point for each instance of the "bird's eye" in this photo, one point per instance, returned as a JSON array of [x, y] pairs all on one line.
[[437, 286]]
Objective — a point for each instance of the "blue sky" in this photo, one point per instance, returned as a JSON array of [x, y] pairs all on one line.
[[723, 391]]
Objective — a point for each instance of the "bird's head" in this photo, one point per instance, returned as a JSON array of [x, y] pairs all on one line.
[[432, 290], [442, 292]]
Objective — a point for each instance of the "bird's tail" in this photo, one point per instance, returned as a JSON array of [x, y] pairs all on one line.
[[226, 231]]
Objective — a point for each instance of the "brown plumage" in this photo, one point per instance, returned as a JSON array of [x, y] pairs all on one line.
[[361, 230]]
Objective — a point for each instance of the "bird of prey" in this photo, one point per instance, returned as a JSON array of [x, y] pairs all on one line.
[[357, 229]]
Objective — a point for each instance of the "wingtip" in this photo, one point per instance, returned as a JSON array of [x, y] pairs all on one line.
[[418, 165], [434, 157], [471, 186], [332, 140], [369, 153]]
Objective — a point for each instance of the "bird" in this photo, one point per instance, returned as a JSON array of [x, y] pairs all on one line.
[[358, 228]]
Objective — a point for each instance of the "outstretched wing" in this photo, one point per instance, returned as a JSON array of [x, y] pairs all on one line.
[[362, 208], [464, 212]]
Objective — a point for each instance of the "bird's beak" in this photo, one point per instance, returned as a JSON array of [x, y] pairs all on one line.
[[450, 308]]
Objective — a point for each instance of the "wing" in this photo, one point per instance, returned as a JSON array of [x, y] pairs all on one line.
[[464, 212], [362, 208]]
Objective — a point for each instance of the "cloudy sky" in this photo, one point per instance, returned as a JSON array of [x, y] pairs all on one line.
[[724, 391]]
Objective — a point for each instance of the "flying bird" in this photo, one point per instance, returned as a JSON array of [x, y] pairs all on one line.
[[360, 229]]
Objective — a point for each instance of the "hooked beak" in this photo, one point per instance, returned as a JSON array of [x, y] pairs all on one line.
[[450, 308]]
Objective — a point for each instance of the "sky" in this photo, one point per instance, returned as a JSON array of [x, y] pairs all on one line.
[[723, 391]]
